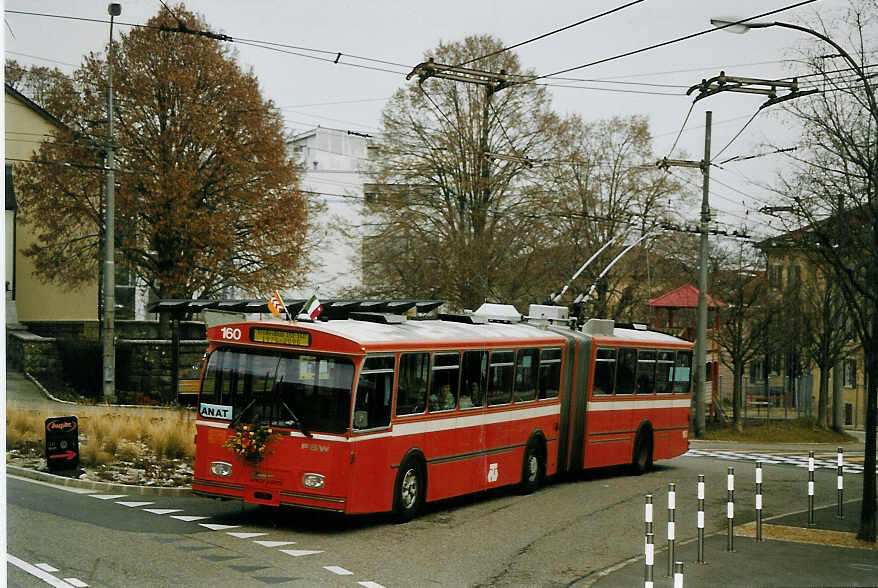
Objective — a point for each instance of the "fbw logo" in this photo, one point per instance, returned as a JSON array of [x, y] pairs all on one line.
[[493, 473]]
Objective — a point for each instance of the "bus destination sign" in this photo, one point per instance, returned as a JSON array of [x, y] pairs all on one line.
[[280, 337]]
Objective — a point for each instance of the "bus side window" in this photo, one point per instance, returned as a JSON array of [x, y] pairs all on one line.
[[526, 367], [414, 371], [446, 371], [625, 369], [604, 372], [645, 371], [473, 379], [374, 393], [682, 369], [664, 367], [550, 373], [500, 375]]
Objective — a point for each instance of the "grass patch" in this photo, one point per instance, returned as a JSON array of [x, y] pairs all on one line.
[[103, 438], [787, 431]]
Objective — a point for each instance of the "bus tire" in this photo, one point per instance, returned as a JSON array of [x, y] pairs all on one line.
[[409, 490], [641, 460], [533, 468]]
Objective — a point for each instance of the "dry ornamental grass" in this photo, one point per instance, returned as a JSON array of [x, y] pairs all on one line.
[[155, 446]]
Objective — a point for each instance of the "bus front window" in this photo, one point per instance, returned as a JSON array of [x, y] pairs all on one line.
[[302, 391]]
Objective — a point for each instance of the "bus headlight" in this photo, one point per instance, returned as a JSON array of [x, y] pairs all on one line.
[[221, 469], [313, 481]]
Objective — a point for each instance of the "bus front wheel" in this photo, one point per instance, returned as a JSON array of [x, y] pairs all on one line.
[[409, 490]]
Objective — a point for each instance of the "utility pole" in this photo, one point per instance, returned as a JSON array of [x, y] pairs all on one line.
[[709, 87], [109, 380], [701, 315], [701, 319]]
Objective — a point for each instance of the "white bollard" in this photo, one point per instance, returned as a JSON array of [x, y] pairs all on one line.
[[758, 501]]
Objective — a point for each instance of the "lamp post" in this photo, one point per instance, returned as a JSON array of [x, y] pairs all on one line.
[[109, 381]]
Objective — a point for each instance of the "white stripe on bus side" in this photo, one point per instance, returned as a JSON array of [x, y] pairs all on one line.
[[638, 404]]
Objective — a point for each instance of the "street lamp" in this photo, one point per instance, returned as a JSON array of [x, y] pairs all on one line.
[[744, 27], [109, 382], [867, 517]]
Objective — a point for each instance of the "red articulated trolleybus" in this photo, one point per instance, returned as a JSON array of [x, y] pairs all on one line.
[[374, 411]]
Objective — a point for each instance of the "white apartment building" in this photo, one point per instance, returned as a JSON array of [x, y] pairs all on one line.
[[333, 161]]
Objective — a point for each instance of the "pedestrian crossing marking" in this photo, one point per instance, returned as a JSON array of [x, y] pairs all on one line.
[[274, 543], [299, 552], [853, 464]]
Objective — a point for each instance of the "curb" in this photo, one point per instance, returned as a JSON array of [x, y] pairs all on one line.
[[107, 487]]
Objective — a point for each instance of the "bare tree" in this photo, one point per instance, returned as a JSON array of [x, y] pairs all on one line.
[[603, 188], [745, 327], [834, 190]]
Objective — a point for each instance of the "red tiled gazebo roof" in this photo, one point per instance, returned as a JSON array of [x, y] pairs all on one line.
[[686, 296]]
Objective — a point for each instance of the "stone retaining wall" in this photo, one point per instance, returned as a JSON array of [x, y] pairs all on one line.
[[144, 371]]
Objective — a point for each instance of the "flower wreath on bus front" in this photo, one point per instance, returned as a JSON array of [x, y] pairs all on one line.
[[250, 441]]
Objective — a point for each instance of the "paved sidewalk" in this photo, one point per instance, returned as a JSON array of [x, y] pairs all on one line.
[[791, 554]]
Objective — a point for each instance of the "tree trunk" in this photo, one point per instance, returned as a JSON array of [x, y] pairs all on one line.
[[867, 513], [822, 397], [837, 399], [737, 393]]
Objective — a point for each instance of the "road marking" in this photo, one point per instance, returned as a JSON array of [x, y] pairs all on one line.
[[163, 511], [214, 527], [37, 572], [46, 567], [134, 504], [245, 535], [50, 485], [340, 571], [275, 543], [107, 496], [299, 552], [76, 582], [370, 584], [187, 518]]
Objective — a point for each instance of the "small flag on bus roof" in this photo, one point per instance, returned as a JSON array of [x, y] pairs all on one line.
[[312, 307], [276, 305]]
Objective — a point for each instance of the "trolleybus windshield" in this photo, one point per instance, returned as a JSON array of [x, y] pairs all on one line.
[[304, 391]]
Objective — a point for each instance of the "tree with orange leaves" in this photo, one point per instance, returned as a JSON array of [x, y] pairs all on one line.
[[207, 196]]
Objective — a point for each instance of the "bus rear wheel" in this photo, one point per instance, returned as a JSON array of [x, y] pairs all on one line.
[[642, 460], [533, 468], [409, 490]]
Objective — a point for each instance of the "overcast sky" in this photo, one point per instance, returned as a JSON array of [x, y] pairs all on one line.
[[315, 92]]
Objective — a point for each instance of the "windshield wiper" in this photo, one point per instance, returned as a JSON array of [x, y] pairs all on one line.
[[302, 428], [241, 414]]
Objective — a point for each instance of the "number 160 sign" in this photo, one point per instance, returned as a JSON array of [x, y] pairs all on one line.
[[232, 333]]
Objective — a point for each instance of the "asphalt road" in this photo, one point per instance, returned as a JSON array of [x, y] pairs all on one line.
[[564, 532]]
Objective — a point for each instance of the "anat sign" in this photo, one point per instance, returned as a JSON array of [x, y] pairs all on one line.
[[215, 411]]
